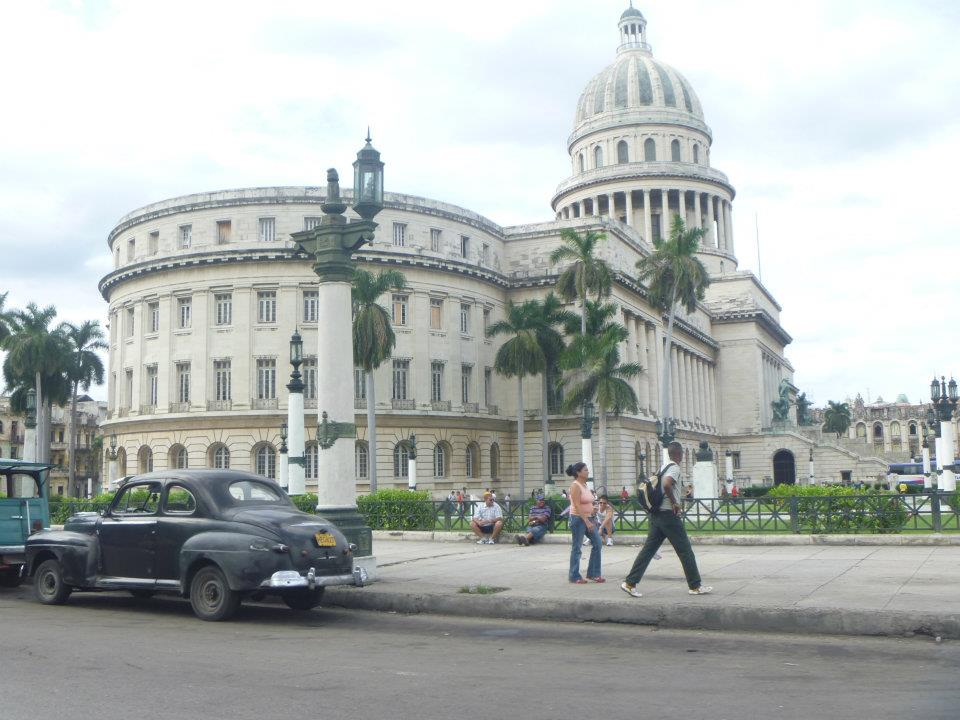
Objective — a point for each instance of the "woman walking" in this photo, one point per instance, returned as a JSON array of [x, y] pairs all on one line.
[[583, 523]]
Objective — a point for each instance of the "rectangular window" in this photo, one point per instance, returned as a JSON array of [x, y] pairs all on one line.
[[268, 229], [223, 304], [183, 382], [464, 318], [400, 309], [735, 456], [129, 322], [401, 370], [186, 236], [486, 321], [436, 381], [466, 375], [154, 241], [128, 389], [436, 314], [266, 379], [399, 234], [184, 308], [309, 223], [311, 304], [131, 249], [464, 245], [487, 387], [222, 379], [359, 383], [485, 254], [309, 372], [223, 232], [434, 239], [153, 315], [267, 306], [152, 384]]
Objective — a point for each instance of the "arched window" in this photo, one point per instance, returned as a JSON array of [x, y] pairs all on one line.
[[145, 459], [178, 457], [639, 457], [598, 157], [581, 162], [473, 460], [861, 430], [895, 430], [401, 459], [878, 431], [361, 459], [441, 460], [121, 462], [696, 153], [310, 456], [675, 151], [265, 460], [556, 459], [494, 461], [219, 457], [649, 150], [912, 428], [623, 152]]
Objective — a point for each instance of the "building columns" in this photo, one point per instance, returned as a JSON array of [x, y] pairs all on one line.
[[628, 204], [647, 218], [682, 195], [697, 214]]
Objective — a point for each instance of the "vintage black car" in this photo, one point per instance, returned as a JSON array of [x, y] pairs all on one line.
[[214, 536]]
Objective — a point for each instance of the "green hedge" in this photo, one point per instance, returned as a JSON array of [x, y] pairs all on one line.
[[840, 509], [397, 510]]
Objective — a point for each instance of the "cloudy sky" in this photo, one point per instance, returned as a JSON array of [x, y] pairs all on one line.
[[838, 123]]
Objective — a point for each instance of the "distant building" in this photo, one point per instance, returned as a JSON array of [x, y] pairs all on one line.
[[11, 431]]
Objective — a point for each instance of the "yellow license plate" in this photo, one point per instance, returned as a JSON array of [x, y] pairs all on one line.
[[325, 539]]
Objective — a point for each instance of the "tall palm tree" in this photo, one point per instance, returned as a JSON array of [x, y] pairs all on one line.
[[597, 374], [519, 356], [586, 274], [599, 319], [675, 276], [85, 368], [836, 418], [373, 342], [6, 319]]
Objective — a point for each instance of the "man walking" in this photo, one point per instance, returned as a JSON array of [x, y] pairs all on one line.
[[666, 524]]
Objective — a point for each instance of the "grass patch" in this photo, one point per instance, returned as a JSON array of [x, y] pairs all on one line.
[[480, 590]]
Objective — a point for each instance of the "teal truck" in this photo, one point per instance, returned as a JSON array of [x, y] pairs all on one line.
[[24, 510]]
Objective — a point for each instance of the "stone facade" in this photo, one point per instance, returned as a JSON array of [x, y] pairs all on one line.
[[11, 431]]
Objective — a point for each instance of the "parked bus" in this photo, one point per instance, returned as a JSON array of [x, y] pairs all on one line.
[[909, 473]]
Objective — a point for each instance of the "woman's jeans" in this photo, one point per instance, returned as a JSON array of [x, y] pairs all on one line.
[[578, 529]]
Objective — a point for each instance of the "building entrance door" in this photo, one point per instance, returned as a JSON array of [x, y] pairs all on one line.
[[784, 468]]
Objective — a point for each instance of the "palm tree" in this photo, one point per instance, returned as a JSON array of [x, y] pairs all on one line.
[[518, 357], [674, 275], [85, 368], [597, 374], [586, 274], [836, 418], [373, 342], [6, 319], [599, 319]]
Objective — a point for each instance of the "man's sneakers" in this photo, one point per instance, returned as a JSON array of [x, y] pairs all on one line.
[[486, 541], [609, 542], [631, 590], [702, 590]]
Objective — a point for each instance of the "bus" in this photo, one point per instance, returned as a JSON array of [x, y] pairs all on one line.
[[909, 473]]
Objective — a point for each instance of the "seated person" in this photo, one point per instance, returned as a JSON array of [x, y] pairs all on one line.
[[605, 516], [538, 522], [487, 521]]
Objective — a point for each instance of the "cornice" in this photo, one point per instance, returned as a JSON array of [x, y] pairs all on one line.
[[757, 315]]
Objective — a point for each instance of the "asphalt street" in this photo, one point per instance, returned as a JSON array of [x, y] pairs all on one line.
[[111, 656]]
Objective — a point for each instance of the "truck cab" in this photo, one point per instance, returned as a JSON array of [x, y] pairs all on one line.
[[24, 510]]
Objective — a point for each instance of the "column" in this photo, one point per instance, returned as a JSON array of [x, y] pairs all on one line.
[[697, 214], [711, 409], [611, 207], [628, 200], [714, 397], [728, 214], [675, 410], [647, 218], [697, 391], [722, 241], [653, 377], [596, 213], [691, 389], [658, 347], [711, 217], [665, 219], [643, 391], [682, 194]]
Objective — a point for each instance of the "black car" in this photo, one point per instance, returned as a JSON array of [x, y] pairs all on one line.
[[214, 536]]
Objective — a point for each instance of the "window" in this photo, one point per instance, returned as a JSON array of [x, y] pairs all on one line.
[[486, 321], [129, 322], [465, 318], [487, 387], [441, 460], [494, 461], [309, 372], [436, 381], [145, 458], [184, 308], [623, 152], [401, 460], [268, 229], [400, 309], [359, 383], [696, 153], [309, 223], [556, 459], [183, 382], [221, 376], [131, 249], [153, 316], [152, 384], [675, 151], [178, 457], [311, 303], [401, 369], [464, 246], [485, 254], [221, 458], [436, 314], [649, 150], [223, 304], [311, 462], [361, 459], [466, 375], [116, 257], [266, 379], [598, 157], [581, 165], [154, 242], [473, 460], [223, 232], [266, 461], [399, 234], [128, 393], [186, 236], [434, 240], [267, 306], [139, 499], [180, 501], [735, 457], [554, 392]]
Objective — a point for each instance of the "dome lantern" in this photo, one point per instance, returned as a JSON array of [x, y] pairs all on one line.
[[633, 30]]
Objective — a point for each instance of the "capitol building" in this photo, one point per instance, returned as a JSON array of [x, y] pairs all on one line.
[[208, 288]]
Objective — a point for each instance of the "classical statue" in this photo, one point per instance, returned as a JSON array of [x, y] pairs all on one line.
[[803, 408], [781, 407]]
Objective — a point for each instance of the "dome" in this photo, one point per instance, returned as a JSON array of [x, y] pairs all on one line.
[[631, 12]]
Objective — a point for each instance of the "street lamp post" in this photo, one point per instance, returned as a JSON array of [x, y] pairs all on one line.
[[296, 477], [412, 462], [666, 434], [728, 470], [944, 397], [30, 431], [331, 245], [113, 462], [284, 459], [586, 440]]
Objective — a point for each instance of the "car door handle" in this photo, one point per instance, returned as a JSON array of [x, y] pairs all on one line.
[[16, 517]]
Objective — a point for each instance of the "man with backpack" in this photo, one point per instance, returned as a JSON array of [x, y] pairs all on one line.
[[662, 493]]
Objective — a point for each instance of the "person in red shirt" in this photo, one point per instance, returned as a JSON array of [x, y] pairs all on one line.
[[624, 495]]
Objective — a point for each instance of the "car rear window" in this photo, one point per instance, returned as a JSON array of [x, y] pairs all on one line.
[[255, 493]]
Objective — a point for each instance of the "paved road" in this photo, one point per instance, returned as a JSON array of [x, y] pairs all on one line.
[[112, 657]]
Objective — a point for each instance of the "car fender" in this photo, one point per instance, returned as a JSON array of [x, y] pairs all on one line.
[[243, 567], [76, 552]]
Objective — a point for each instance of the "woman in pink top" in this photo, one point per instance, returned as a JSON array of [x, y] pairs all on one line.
[[583, 523]]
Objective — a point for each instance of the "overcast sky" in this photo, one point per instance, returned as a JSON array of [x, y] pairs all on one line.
[[837, 122]]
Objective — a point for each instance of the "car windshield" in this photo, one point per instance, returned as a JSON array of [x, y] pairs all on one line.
[[255, 493]]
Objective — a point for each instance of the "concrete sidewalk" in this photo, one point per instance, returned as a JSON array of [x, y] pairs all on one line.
[[812, 588]]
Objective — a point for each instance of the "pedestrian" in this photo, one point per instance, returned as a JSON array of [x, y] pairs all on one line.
[[605, 515], [666, 524], [582, 523], [624, 495]]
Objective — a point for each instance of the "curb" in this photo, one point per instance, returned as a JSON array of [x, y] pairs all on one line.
[[688, 616]]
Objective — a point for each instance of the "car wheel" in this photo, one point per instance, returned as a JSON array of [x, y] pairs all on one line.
[[10, 579], [211, 596], [303, 599], [48, 584], [142, 594]]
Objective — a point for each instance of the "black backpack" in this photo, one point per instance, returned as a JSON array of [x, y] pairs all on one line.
[[650, 490]]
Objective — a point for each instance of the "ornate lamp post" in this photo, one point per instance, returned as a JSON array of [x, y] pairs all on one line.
[[728, 470], [944, 397], [30, 433], [284, 459], [113, 461], [412, 462], [331, 245], [296, 474], [642, 457], [666, 433], [586, 441]]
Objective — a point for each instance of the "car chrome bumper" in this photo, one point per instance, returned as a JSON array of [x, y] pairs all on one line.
[[284, 579]]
